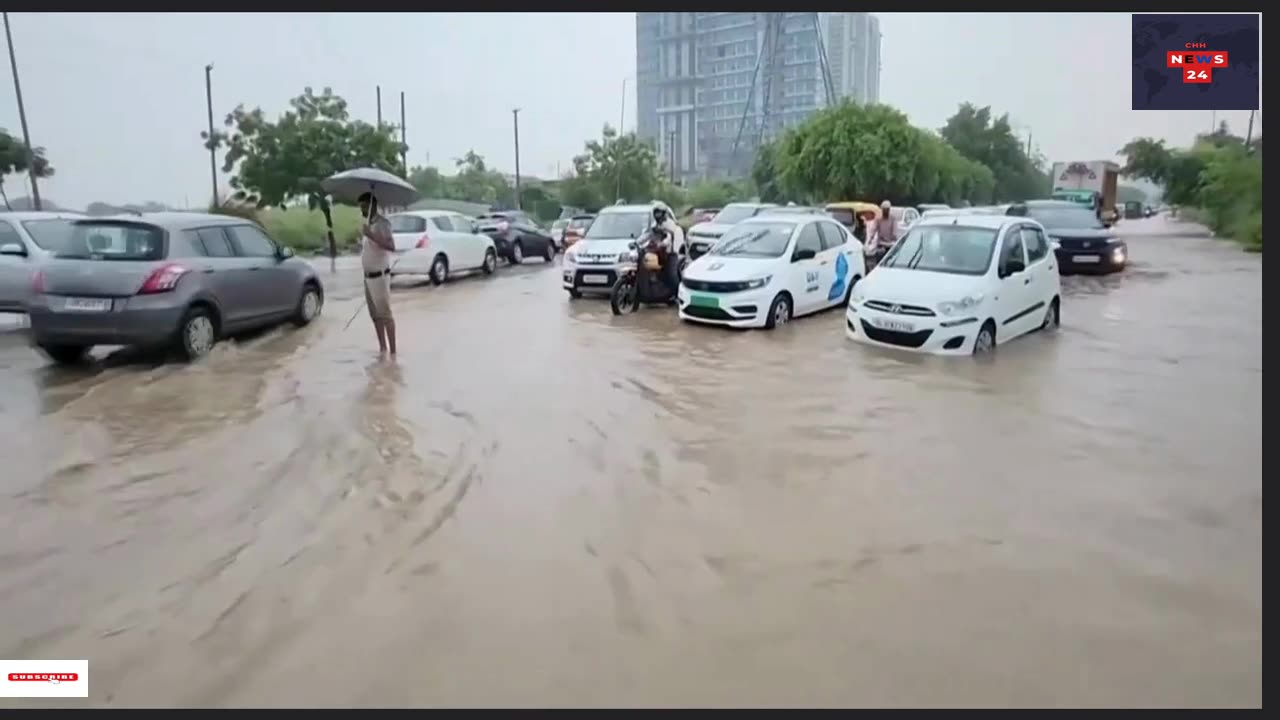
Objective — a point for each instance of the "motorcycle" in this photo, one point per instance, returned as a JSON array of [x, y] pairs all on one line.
[[644, 283]]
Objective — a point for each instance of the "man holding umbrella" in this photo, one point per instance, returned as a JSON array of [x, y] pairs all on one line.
[[376, 248], [370, 188]]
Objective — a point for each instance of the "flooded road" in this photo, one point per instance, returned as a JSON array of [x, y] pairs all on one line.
[[541, 504]]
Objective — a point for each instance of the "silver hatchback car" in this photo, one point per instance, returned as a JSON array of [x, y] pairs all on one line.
[[170, 280]]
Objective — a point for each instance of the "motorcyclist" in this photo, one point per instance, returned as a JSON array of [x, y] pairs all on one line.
[[671, 244]]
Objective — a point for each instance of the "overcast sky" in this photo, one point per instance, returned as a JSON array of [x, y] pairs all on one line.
[[118, 99]]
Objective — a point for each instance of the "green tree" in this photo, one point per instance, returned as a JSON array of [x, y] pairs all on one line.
[[991, 141], [14, 160], [715, 193], [476, 182], [615, 167], [277, 162], [764, 174], [428, 181]]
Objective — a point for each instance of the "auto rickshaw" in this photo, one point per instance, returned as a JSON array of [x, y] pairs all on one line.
[[854, 215]]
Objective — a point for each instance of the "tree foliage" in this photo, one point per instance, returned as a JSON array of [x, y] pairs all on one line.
[[976, 135], [14, 160], [1219, 174], [611, 168], [867, 152]]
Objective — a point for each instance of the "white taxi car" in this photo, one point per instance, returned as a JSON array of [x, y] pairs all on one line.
[[593, 263], [438, 244], [958, 285], [770, 268]]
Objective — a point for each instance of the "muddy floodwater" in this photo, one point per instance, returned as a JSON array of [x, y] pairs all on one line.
[[542, 504]]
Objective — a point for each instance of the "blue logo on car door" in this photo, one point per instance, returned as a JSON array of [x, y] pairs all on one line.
[[842, 277]]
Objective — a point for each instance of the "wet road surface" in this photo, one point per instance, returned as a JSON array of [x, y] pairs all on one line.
[[541, 504]]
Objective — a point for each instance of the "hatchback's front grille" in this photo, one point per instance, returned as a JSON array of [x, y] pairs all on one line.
[[899, 309], [707, 313], [894, 337]]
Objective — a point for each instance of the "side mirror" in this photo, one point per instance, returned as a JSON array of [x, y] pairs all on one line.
[[1012, 267], [284, 252], [13, 249], [805, 254]]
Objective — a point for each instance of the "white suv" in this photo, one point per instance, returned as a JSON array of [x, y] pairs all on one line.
[[593, 263]]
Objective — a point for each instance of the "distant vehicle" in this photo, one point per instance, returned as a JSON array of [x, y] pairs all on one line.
[[793, 210], [557, 232], [439, 243], [577, 227], [1084, 243], [906, 216], [705, 234], [695, 216], [771, 268], [958, 285], [516, 236], [1149, 211], [605, 250], [854, 215], [1134, 210], [169, 280], [926, 207], [27, 239], [1092, 183]]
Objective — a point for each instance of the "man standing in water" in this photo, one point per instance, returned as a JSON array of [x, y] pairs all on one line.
[[376, 247]]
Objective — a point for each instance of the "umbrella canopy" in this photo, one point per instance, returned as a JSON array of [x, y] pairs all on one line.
[[349, 185]]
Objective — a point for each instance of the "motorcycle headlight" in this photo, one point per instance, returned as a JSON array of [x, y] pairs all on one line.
[[959, 306], [759, 282]]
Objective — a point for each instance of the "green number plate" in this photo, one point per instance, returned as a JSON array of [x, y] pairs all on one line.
[[704, 300]]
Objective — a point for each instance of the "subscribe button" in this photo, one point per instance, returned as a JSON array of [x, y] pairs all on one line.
[[44, 678]]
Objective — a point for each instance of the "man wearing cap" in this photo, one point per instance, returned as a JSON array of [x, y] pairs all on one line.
[[376, 247], [886, 230]]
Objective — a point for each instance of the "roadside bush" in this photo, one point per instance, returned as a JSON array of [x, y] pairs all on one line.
[[304, 230]]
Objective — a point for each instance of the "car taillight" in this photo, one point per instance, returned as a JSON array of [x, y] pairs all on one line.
[[37, 282], [163, 279], [423, 241]]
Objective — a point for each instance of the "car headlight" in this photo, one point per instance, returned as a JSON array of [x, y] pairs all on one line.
[[571, 256], [959, 306], [627, 256], [857, 297], [758, 282]]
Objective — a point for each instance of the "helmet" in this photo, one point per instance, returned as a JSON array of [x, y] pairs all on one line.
[[659, 214]]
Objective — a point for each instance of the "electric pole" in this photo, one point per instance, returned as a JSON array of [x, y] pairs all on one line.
[[671, 154], [1248, 136], [622, 119], [404, 145], [515, 126], [378, 88], [213, 161], [22, 118]]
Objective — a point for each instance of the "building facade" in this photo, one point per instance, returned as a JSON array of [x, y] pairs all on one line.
[[694, 78], [853, 52]]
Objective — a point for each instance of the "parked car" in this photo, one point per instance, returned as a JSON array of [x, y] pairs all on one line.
[[1082, 241], [793, 210], [958, 284], [170, 280], [578, 225], [906, 216], [516, 236], [439, 243], [770, 268], [557, 232], [606, 249], [26, 240], [703, 235], [926, 207]]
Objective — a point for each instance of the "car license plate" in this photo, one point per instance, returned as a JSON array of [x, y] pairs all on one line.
[[73, 304], [1085, 258], [897, 325], [710, 301], [595, 279]]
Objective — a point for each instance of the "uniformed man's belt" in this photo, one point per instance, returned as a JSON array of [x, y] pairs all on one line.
[[378, 274]]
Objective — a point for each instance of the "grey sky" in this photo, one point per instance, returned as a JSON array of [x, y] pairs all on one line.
[[118, 99]]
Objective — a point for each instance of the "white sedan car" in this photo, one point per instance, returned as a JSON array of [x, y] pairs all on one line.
[[959, 285], [439, 243], [770, 268]]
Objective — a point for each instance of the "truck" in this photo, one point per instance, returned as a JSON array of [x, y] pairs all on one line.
[[1091, 183]]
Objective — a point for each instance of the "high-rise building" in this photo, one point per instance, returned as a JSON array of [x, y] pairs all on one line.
[[853, 52], [694, 77]]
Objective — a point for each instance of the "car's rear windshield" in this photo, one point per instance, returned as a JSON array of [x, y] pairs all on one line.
[[844, 216], [407, 224], [51, 234], [954, 249], [618, 226], [113, 240], [756, 239], [578, 223], [734, 214]]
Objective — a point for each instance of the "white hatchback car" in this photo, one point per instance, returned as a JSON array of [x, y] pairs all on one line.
[[593, 263], [439, 243], [958, 285], [770, 268]]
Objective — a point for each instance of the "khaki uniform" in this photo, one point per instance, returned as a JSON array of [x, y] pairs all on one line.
[[376, 263]]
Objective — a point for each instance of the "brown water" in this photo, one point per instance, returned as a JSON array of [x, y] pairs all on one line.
[[541, 504]]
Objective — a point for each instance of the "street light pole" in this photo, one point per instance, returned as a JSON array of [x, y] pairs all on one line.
[[622, 119], [213, 162], [515, 126], [22, 118]]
